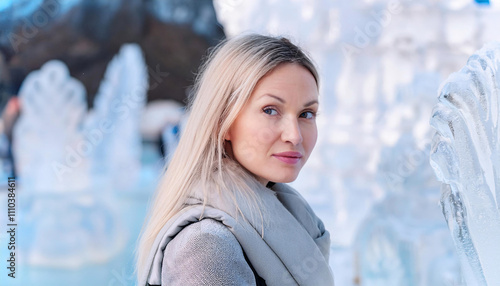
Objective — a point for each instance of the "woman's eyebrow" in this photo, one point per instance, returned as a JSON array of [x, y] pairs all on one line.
[[311, 103], [275, 97], [283, 101]]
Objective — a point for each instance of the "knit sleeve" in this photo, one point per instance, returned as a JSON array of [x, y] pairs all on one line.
[[205, 253]]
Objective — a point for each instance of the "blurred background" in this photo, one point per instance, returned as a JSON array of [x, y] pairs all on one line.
[[93, 96]]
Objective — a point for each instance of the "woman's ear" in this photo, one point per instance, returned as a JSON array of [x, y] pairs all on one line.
[[228, 147], [227, 137]]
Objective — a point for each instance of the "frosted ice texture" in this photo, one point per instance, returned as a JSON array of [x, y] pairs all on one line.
[[55, 131], [69, 230], [112, 126], [70, 162], [48, 132], [404, 237], [66, 222], [465, 157]]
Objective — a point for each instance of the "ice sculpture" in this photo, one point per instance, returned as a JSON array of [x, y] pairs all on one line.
[[465, 156], [65, 159], [47, 147], [113, 124], [104, 143], [66, 222]]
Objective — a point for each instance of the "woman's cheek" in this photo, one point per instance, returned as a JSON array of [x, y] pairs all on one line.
[[247, 151], [312, 138], [265, 135]]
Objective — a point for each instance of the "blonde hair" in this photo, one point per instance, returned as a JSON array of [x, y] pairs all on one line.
[[222, 87]]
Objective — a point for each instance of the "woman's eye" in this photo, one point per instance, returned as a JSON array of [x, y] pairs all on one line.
[[308, 114], [270, 111]]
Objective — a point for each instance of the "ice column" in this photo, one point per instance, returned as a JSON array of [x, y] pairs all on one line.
[[112, 126], [465, 157]]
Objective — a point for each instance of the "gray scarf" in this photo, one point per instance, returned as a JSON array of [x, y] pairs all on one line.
[[294, 250]]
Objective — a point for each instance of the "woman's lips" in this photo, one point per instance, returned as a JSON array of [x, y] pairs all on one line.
[[288, 160]]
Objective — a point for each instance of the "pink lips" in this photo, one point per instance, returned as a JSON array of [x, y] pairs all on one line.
[[288, 157]]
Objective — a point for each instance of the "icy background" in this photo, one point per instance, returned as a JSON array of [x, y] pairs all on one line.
[[369, 178], [381, 63]]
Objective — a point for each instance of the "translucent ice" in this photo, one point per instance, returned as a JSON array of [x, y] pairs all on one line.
[[70, 161], [112, 127], [47, 135], [55, 131], [404, 238], [465, 156]]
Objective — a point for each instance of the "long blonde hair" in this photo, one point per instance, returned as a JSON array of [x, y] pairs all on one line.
[[222, 87]]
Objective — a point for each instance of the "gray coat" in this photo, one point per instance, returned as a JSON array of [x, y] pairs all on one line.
[[293, 251]]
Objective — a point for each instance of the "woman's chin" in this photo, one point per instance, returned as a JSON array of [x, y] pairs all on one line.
[[286, 178]]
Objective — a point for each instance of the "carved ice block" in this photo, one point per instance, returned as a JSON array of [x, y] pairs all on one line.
[[465, 157]]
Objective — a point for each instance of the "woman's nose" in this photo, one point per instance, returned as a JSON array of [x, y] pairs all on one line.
[[290, 131]]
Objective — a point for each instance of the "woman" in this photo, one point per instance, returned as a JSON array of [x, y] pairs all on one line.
[[222, 214]]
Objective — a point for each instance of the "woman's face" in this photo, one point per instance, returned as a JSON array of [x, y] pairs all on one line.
[[275, 132]]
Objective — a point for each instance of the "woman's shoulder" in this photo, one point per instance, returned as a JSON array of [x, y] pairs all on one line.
[[204, 230], [205, 251]]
